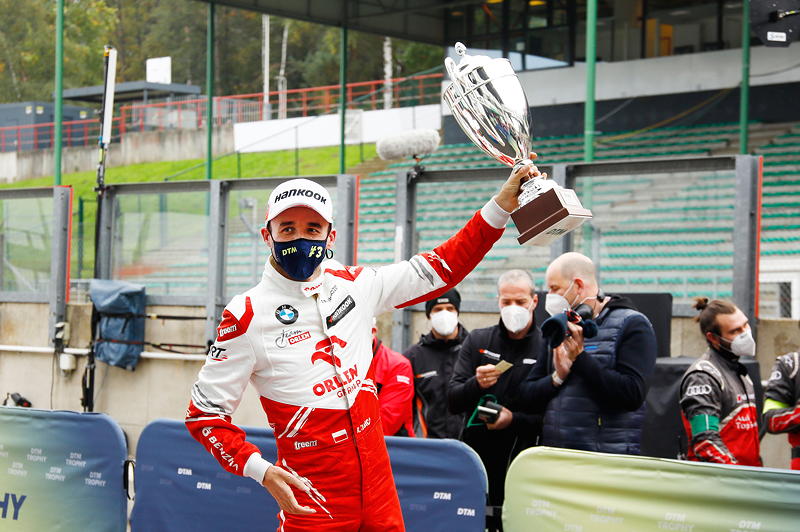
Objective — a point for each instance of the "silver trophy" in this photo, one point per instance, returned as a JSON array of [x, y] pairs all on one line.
[[488, 102]]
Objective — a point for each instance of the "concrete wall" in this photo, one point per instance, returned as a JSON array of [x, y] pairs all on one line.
[[160, 388], [135, 148], [315, 131]]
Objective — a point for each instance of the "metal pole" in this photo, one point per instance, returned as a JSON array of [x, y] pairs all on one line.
[[342, 95], [265, 65], [591, 54], [744, 93], [210, 91], [59, 96], [296, 152], [80, 237]]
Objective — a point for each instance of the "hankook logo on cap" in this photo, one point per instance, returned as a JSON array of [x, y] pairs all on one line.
[[301, 192], [286, 314]]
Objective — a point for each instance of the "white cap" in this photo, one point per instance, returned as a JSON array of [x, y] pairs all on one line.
[[300, 193]]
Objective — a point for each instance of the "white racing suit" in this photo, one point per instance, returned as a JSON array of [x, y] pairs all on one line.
[[306, 347]]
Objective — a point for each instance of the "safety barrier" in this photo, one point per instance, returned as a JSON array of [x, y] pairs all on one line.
[[61, 471], [558, 489], [180, 486]]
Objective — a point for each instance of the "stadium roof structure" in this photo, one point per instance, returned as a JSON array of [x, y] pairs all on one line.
[[414, 20], [131, 90]]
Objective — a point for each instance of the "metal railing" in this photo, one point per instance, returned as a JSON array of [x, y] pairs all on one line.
[[197, 243], [191, 113], [617, 206]]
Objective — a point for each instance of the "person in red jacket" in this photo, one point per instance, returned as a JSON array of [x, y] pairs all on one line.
[[394, 379]]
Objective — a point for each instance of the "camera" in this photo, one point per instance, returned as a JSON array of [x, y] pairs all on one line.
[[488, 412], [554, 328]]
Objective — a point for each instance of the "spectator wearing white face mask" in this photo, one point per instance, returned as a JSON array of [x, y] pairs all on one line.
[[493, 362], [433, 360], [592, 391]]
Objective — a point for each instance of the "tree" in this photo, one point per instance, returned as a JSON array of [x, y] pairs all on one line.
[[27, 60]]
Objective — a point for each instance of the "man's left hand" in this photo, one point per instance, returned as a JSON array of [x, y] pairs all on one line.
[[503, 420], [573, 343]]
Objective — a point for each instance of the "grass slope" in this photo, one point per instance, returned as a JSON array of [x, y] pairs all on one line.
[[304, 162]]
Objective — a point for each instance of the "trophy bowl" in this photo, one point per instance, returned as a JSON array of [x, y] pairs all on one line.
[[489, 104]]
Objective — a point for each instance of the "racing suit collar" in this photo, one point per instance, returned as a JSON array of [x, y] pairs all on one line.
[[728, 360], [307, 288]]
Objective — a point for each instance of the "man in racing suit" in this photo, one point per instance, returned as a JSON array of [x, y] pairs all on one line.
[[302, 337], [782, 401], [716, 396]]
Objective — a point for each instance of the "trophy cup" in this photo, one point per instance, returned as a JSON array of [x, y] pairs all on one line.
[[488, 102]]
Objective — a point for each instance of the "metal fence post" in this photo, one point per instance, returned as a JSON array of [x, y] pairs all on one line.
[[59, 263], [563, 244], [217, 220], [746, 235], [346, 209], [102, 255], [405, 212]]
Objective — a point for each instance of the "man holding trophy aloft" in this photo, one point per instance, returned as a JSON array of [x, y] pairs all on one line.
[[333, 470]]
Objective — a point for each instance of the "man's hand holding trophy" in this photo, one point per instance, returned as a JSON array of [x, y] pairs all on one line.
[[488, 102]]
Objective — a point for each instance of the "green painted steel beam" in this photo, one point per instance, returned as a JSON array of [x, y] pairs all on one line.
[[59, 92], [744, 92], [342, 97], [591, 55], [210, 92]]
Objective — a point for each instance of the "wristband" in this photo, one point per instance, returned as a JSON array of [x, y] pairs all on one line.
[[558, 381]]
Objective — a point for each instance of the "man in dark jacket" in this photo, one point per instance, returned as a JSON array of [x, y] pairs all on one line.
[[493, 362], [432, 361], [592, 391]]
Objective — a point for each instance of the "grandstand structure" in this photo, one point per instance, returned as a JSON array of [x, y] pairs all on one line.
[[649, 233]]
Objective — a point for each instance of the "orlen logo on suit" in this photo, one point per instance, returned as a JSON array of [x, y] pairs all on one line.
[[346, 383]]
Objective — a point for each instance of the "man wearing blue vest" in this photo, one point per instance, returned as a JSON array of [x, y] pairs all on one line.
[[592, 391]]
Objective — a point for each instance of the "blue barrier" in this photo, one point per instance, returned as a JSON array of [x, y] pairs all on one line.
[[180, 486], [61, 471]]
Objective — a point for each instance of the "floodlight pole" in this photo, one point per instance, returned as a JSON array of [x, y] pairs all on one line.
[[591, 54], [210, 91], [342, 95], [744, 91], [59, 95]]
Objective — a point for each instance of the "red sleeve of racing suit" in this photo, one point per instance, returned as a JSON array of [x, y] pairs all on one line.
[[781, 389], [396, 394], [428, 274], [218, 390], [700, 399]]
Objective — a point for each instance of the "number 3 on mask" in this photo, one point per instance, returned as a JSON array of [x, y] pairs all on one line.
[[315, 252]]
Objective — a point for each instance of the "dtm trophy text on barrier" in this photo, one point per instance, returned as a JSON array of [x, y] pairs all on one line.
[[488, 102]]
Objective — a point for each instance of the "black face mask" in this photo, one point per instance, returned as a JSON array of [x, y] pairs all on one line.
[[300, 257]]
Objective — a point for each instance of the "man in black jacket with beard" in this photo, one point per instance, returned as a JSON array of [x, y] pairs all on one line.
[[432, 361], [494, 361]]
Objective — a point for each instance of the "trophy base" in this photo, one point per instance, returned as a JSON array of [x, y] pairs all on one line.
[[549, 217]]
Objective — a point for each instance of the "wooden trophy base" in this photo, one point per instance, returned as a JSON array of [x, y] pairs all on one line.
[[549, 217]]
